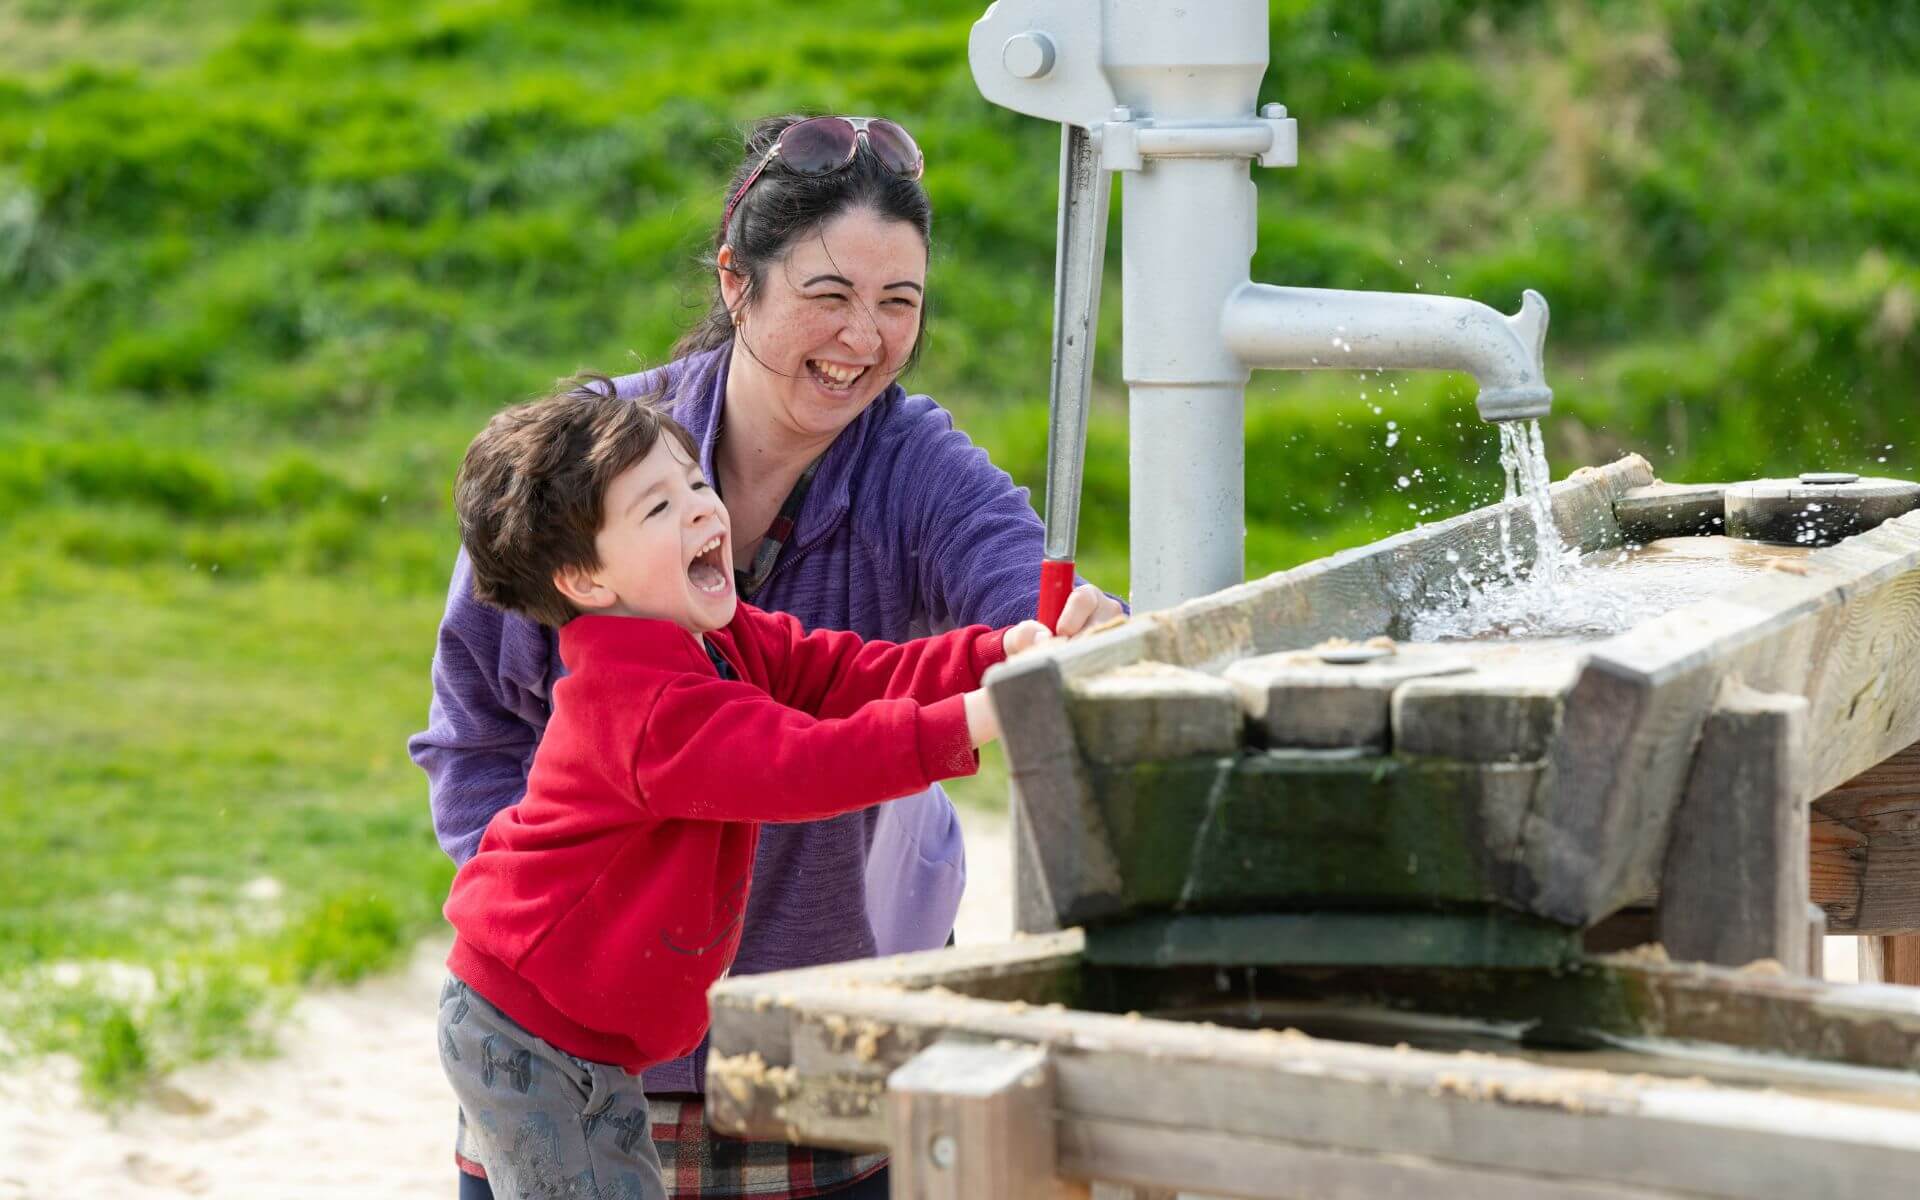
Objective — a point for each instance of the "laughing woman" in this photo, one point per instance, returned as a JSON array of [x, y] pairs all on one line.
[[855, 506]]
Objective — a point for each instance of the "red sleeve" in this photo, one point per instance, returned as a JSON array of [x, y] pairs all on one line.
[[830, 673], [716, 750]]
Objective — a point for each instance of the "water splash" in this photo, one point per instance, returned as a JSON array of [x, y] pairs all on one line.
[[1511, 601]]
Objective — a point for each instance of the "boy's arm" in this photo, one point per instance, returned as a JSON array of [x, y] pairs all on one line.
[[831, 673], [716, 750]]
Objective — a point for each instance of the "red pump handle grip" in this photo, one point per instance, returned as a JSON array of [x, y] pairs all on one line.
[[1056, 584]]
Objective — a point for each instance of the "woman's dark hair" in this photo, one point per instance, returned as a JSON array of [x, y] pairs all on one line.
[[783, 207]]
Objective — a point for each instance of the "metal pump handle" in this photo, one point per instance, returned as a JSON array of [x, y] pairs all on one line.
[[1079, 258]]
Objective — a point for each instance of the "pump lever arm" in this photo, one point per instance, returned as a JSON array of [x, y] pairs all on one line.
[[1080, 253]]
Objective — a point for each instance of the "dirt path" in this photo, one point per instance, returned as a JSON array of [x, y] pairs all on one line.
[[354, 1107]]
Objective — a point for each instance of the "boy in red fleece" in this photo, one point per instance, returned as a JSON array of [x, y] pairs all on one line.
[[599, 909]]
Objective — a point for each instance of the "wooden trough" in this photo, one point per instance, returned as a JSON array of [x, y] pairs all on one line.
[[1024, 1070], [1311, 897], [1190, 766]]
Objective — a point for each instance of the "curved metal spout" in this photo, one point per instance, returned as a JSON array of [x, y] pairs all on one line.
[[1320, 328]]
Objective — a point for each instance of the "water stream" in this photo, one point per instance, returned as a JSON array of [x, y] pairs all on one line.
[[1557, 592]]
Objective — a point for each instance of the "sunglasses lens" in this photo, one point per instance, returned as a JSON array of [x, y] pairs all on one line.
[[817, 145], [895, 148]]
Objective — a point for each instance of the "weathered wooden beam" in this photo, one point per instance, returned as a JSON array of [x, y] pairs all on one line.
[[1296, 700], [1664, 510], [1283, 829], [1060, 863], [975, 1122], [1734, 887], [1797, 513], [1865, 849], [1148, 711], [1506, 710], [1253, 1166]]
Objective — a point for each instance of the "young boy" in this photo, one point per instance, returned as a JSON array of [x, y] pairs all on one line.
[[601, 907]]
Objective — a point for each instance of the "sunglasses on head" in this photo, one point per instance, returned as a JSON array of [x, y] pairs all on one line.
[[823, 145]]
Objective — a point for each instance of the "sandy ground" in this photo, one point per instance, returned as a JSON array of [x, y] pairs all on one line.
[[354, 1107]]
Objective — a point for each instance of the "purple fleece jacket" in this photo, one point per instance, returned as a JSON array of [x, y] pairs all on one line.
[[908, 529]]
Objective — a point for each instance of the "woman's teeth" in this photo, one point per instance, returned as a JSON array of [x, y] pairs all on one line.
[[835, 375]]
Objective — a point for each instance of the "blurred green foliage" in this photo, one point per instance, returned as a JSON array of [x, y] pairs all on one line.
[[265, 265]]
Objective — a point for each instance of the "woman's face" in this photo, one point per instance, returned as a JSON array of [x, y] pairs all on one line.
[[831, 325]]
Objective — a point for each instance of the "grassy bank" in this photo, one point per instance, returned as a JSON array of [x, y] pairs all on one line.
[[265, 265]]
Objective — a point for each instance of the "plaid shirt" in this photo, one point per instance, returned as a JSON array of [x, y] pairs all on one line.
[[697, 1162]]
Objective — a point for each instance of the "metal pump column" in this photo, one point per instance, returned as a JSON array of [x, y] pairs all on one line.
[[1166, 92]]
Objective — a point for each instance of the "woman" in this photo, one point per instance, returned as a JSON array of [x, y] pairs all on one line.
[[854, 506]]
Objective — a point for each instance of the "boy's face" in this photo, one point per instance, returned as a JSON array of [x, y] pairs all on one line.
[[665, 547]]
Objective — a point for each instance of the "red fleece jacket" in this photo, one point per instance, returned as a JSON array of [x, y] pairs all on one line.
[[599, 909]]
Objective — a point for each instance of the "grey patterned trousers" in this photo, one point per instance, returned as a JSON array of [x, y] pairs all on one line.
[[546, 1125]]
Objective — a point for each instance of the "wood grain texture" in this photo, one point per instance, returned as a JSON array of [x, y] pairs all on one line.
[[1059, 856], [1734, 886], [1894, 959], [974, 1122], [1864, 840]]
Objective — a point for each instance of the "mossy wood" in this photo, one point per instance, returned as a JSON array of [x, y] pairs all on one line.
[[807, 1055], [1542, 780]]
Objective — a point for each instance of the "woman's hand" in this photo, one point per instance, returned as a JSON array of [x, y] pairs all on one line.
[[1025, 636], [1087, 608]]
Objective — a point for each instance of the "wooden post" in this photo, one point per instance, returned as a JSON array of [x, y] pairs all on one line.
[[1893, 959], [1734, 885], [970, 1121]]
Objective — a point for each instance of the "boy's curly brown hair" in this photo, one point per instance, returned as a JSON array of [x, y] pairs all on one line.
[[531, 489]]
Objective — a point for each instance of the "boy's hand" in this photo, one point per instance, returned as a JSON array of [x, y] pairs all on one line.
[[1025, 636], [983, 725], [1087, 607]]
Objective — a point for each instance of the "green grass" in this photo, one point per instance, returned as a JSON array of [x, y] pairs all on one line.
[[265, 265]]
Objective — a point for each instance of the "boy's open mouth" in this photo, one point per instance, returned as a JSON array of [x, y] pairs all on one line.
[[708, 570], [835, 377]]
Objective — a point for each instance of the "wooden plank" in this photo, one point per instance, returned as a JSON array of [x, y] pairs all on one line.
[[975, 1122], [1252, 1166], [1664, 510], [1506, 710], [1846, 635], [1796, 513], [1734, 887], [1464, 1111], [1296, 700], [1288, 829], [1150, 710], [1061, 864], [1865, 849]]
